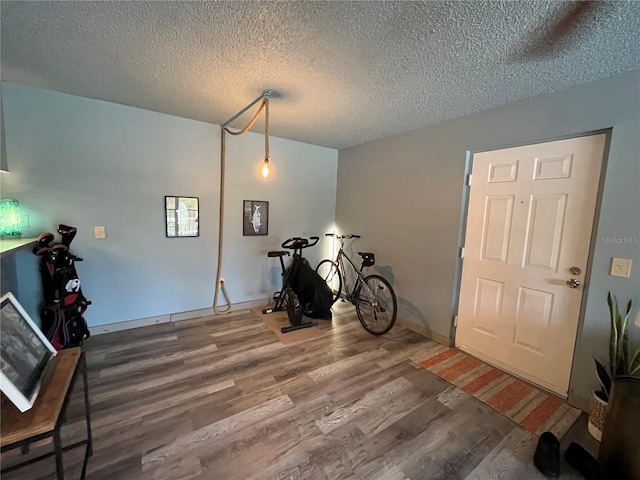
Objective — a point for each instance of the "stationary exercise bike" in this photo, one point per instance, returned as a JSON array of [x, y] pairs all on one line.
[[286, 298]]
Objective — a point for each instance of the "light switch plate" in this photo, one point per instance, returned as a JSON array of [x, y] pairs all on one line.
[[621, 267], [100, 232]]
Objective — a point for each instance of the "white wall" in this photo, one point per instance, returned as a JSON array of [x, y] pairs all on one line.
[[85, 162], [408, 208], [301, 192]]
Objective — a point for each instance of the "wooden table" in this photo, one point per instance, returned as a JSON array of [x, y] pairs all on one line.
[[47, 415]]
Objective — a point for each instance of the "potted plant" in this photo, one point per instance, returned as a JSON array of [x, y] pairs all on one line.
[[620, 363]]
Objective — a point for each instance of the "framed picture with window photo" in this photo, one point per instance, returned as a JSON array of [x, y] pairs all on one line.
[[182, 216]]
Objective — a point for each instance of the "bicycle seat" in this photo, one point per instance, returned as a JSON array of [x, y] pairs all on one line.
[[279, 253], [368, 259]]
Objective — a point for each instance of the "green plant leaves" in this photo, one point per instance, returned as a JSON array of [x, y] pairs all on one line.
[[613, 338], [620, 362], [634, 367], [603, 378]]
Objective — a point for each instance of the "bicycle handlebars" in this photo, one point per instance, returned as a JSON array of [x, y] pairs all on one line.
[[294, 243], [341, 237]]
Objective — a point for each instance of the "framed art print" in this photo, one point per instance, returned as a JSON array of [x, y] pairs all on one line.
[[255, 217]]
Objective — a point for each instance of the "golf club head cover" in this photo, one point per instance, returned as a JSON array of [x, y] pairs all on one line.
[[43, 241], [68, 233]]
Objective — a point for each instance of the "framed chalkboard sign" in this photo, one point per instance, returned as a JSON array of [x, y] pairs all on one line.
[[26, 354]]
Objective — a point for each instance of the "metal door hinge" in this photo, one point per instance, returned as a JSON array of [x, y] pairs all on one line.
[[461, 252], [469, 179]]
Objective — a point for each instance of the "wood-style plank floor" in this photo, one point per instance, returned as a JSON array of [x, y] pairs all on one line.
[[221, 398]]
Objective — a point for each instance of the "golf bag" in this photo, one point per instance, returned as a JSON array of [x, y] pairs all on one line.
[[313, 292], [61, 315]]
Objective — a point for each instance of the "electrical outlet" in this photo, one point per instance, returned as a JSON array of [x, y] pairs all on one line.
[[24, 221]]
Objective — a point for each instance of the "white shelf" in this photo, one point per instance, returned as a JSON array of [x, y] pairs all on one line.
[[8, 246]]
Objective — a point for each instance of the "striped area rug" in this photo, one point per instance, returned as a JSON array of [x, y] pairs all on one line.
[[534, 410]]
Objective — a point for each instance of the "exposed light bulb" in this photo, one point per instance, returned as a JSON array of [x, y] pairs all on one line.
[[265, 168]]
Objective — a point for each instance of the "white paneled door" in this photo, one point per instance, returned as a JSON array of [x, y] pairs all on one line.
[[529, 225]]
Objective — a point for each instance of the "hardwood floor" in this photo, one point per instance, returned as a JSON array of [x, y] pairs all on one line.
[[221, 398]]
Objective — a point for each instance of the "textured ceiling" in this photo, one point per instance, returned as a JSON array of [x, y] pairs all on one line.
[[342, 73]]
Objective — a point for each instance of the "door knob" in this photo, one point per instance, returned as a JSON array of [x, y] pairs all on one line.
[[573, 283]]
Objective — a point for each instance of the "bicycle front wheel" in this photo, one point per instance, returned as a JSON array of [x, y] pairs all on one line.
[[329, 272], [376, 305]]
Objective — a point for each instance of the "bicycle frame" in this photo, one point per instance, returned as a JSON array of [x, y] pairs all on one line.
[[350, 294]]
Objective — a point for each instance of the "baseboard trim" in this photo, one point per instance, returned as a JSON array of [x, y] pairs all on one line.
[[425, 332], [173, 317], [578, 401], [129, 324], [191, 314]]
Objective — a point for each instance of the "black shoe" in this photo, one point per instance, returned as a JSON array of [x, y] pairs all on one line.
[[583, 462], [547, 455]]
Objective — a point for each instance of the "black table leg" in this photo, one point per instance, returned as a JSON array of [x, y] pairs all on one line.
[[57, 445], [87, 412], [87, 409]]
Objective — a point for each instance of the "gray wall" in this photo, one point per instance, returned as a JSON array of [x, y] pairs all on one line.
[[85, 162], [404, 195]]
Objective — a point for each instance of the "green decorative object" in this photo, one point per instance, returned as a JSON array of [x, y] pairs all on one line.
[[621, 360], [10, 221]]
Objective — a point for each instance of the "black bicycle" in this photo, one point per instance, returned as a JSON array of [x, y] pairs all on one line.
[[372, 295]]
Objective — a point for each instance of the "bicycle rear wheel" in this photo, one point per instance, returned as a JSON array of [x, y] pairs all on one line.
[[330, 273], [376, 305]]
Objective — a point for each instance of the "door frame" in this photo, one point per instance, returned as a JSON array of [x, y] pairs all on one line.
[[462, 231]]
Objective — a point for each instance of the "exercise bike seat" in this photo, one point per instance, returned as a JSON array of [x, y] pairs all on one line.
[[279, 253]]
